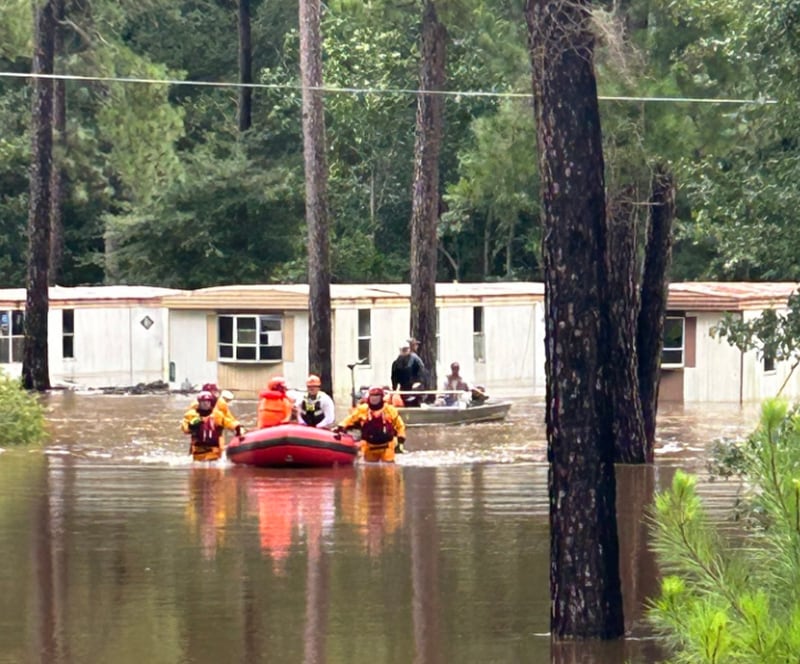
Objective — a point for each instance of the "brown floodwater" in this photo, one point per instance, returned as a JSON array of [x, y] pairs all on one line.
[[117, 548]]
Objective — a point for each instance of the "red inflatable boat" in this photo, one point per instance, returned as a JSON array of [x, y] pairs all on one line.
[[293, 445]]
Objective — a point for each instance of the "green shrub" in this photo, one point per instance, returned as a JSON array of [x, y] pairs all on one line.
[[735, 601], [21, 415]]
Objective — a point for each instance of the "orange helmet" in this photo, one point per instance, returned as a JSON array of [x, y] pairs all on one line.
[[313, 381], [277, 383]]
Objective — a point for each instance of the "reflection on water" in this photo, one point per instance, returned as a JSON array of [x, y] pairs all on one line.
[[119, 549]]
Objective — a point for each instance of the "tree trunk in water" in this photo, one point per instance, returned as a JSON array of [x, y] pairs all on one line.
[[655, 286], [35, 365], [630, 441], [316, 174], [245, 67], [425, 193], [60, 146], [586, 599]]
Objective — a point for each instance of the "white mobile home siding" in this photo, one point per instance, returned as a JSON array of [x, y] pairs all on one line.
[[188, 343], [111, 346], [718, 370]]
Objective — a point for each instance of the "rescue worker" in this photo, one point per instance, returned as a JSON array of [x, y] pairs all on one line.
[[205, 423], [315, 407], [221, 399], [274, 406], [383, 431]]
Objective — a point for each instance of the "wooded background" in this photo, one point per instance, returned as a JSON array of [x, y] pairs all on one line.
[[164, 185]]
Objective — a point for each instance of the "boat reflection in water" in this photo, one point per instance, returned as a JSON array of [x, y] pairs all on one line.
[[375, 504], [292, 506], [211, 497]]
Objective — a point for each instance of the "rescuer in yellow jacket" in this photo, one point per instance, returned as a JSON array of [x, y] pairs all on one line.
[[383, 431], [205, 423]]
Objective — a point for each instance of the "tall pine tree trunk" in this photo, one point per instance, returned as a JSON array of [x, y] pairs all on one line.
[[59, 148], [425, 192], [245, 67], [623, 300], [655, 287], [316, 173], [35, 365], [586, 599]]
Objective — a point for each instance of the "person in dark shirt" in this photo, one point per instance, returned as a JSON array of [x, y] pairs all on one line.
[[407, 369]]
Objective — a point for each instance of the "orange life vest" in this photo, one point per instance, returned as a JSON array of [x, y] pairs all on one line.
[[273, 408]]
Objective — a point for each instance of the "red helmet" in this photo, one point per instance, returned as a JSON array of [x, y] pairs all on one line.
[[277, 383], [313, 381], [205, 395], [210, 387]]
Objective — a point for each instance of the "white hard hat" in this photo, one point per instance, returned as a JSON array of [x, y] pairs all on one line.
[[227, 395]]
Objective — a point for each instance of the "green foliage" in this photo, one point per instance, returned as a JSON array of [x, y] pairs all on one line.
[[16, 29], [14, 160], [134, 150], [496, 194], [231, 220], [22, 416], [740, 174], [723, 602], [773, 334]]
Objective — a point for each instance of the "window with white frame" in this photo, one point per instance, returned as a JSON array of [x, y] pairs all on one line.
[[365, 336], [68, 333], [769, 361], [12, 335], [672, 352], [250, 338], [478, 337]]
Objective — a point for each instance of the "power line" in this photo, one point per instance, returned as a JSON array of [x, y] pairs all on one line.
[[456, 94]]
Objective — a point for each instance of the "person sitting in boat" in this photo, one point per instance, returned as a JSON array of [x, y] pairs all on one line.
[[454, 387], [315, 407], [274, 405], [383, 432], [478, 394], [407, 369], [204, 422]]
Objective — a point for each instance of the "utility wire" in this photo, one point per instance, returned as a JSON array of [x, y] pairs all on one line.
[[457, 94]]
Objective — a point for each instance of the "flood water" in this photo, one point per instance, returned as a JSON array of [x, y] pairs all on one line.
[[117, 548]]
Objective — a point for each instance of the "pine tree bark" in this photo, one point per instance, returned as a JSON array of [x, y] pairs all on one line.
[[59, 148], [316, 174], [655, 287], [35, 365], [586, 599], [623, 299], [425, 191], [245, 67]]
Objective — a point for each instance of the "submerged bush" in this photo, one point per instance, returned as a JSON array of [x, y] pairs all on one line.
[[722, 601], [21, 415]]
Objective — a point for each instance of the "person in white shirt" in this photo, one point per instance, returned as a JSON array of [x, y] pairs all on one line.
[[315, 407], [454, 386]]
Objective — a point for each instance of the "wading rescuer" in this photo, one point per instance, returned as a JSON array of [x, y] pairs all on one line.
[[383, 431], [205, 423]]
